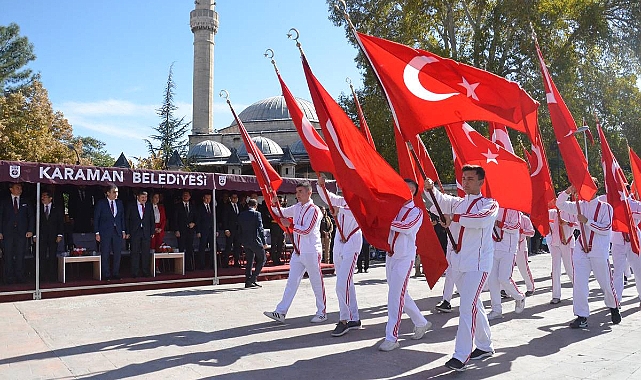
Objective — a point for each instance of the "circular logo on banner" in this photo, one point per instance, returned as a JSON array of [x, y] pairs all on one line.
[[14, 171], [222, 180]]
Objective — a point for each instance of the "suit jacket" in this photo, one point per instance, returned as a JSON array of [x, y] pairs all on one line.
[[81, 209], [137, 226], [104, 221], [204, 220], [250, 226], [182, 218], [25, 218], [230, 218], [53, 226]]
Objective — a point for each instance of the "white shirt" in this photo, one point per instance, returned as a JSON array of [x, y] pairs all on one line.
[[307, 221], [402, 236], [598, 227], [508, 230], [156, 214], [346, 220]]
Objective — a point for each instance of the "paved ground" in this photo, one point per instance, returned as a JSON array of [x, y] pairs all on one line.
[[219, 331]]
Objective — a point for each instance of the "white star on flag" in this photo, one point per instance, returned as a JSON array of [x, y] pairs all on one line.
[[470, 88], [623, 196], [491, 157]]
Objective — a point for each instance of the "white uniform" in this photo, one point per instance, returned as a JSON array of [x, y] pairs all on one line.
[[527, 230], [622, 254], [472, 222], [595, 260], [398, 268], [506, 242], [561, 243], [347, 246], [307, 220]]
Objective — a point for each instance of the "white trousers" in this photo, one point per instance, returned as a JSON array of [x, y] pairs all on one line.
[[448, 286], [623, 258], [524, 269], [600, 266], [473, 327], [397, 272], [345, 257], [298, 265], [562, 253], [501, 278]]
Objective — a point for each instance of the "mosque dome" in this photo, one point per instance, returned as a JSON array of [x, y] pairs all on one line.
[[209, 149], [274, 109], [298, 148], [267, 146]]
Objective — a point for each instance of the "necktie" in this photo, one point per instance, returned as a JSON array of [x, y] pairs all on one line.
[[15, 205], [143, 209], [235, 208], [111, 204], [47, 211], [207, 207], [186, 207]]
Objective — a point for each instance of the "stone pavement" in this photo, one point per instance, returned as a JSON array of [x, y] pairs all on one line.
[[219, 331]]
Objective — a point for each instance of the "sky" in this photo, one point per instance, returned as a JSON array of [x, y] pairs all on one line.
[[105, 63]]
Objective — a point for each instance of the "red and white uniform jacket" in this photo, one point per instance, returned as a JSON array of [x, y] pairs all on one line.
[[307, 220], [622, 238], [562, 234], [473, 219], [348, 224], [402, 237], [506, 233], [527, 230], [598, 227]]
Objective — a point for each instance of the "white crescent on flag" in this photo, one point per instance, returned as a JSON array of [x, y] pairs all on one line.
[[468, 129], [539, 160], [413, 84], [310, 136], [332, 133]]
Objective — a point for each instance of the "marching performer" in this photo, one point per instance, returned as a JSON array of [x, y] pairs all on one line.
[[347, 246], [399, 264], [306, 218], [591, 255], [622, 255], [561, 243], [527, 230], [470, 220]]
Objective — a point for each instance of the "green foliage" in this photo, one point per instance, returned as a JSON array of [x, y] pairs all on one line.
[[592, 49], [92, 151], [15, 53], [171, 130]]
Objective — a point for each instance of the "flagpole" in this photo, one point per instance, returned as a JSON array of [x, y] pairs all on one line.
[[329, 203]]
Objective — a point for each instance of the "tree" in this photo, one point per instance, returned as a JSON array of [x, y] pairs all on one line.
[[593, 50], [93, 151], [171, 130], [30, 130], [15, 53]]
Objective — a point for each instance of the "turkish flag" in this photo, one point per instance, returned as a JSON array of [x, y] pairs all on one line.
[[428, 246], [503, 170], [635, 165], [542, 188], [319, 157], [268, 179], [373, 190], [361, 120], [458, 173], [501, 137], [564, 128], [617, 193], [426, 91]]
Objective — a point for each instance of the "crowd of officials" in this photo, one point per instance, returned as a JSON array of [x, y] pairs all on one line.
[[135, 221]]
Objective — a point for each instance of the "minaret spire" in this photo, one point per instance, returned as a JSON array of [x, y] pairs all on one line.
[[204, 24]]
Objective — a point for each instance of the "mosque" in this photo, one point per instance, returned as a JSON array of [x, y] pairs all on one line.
[[267, 121]]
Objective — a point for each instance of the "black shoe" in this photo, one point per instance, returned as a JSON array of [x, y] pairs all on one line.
[[444, 307], [115, 277], [365, 271], [504, 294], [579, 323], [257, 284], [478, 354], [529, 293], [359, 271], [354, 325], [341, 329], [615, 315], [455, 364], [249, 285]]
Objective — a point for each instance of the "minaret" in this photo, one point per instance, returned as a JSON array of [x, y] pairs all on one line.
[[204, 24]]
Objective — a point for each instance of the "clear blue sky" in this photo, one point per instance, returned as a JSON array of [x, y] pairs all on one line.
[[105, 63]]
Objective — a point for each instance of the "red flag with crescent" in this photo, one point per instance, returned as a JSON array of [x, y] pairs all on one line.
[[617, 193], [635, 165], [319, 156], [371, 187], [502, 168], [564, 126], [542, 187], [426, 91], [362, 121]]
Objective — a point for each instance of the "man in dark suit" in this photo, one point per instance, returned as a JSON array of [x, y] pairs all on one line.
[[205, 230], [109, 224], [185, 223], [230, 227], [140, 225], [50, 232], [252, 236], [81, 208], [16, 227]]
